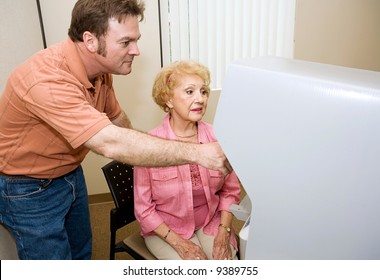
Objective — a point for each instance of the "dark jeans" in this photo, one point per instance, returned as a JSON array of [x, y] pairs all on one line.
[[49, 218]]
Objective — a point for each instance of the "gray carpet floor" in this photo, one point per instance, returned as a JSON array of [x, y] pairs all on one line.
[[100, 223]]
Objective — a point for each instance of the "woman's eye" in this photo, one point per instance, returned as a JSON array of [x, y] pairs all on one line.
[[205, 92]]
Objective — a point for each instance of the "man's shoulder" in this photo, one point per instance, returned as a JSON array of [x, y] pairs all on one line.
[[49, 57]]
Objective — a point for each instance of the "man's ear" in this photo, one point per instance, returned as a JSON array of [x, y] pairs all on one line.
[[90, 41]]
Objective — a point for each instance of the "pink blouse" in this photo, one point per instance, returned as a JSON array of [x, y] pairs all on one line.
[[199, 197], [165, 194]]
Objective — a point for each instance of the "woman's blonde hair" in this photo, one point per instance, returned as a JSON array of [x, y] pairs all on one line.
[[167, 77]]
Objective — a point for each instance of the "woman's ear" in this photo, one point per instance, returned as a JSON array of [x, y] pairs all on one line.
[[90, 41], [169, 104]]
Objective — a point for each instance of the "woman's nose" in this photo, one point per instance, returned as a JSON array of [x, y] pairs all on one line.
[[200, 97]]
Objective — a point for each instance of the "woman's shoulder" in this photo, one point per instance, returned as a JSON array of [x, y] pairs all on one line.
[[205, 125], [207, 131], [157, 131], [160, 131]]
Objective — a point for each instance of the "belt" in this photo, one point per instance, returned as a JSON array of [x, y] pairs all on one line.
[[23, 176], [12, 176]]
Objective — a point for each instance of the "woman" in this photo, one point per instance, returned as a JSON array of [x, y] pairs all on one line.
[[184, 210]]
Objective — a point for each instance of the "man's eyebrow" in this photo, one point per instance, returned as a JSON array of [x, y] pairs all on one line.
[[127, 38]]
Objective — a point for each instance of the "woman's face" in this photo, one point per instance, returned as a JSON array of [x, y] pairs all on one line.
[[189, 101]]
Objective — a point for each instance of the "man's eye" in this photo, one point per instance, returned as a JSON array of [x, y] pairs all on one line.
[[125, 43]]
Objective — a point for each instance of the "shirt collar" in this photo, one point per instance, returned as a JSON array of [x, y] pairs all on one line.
[[75, 63]]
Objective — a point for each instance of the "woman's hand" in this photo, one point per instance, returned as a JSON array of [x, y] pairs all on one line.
[[222, 249], [188, 250]]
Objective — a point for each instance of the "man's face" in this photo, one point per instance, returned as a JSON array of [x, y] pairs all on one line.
[[118, 46]]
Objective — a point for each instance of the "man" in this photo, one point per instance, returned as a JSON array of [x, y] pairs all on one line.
[[56, 107]]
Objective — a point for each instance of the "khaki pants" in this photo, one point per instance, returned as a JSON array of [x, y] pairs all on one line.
[[163, 251]]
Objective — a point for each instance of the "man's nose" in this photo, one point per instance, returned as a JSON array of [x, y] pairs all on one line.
[[134, 50]]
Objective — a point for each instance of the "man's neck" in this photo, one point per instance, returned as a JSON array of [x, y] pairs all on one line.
[[89, 61]]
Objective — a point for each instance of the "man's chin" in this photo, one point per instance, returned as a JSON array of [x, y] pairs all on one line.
[[124, 72]]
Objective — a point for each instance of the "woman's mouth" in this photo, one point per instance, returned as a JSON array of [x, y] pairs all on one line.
[[197, 110]]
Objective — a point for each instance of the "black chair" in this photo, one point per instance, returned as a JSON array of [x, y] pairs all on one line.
[[119, 177]]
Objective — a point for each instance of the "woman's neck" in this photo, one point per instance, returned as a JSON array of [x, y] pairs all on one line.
[[184, 130]]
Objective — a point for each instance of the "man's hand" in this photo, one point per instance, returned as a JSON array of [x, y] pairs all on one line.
[[211, 156]]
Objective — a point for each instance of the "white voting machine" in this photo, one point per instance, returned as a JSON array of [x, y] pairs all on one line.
[[304, 139]]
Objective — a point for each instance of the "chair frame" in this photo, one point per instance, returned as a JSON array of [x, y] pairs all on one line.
[[123, 213]]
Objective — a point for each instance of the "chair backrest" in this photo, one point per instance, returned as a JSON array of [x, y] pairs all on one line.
[[119, 177]]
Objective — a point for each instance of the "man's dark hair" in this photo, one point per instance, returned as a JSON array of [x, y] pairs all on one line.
[[93, 15]]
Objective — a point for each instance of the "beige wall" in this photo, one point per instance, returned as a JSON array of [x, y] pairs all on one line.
[[342, 32], [20, 35], [339, 32]]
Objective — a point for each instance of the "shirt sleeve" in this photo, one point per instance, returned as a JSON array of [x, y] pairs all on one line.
[[145, 208], [230, 192]]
